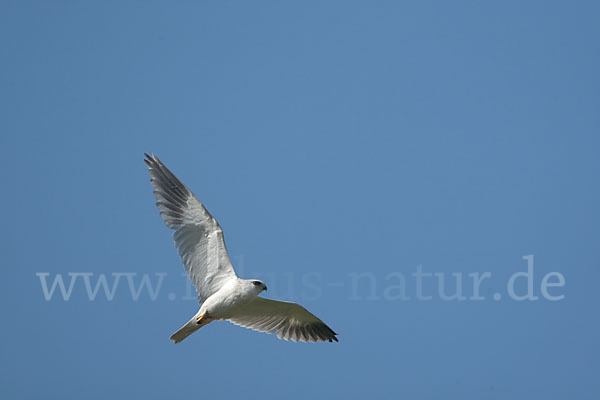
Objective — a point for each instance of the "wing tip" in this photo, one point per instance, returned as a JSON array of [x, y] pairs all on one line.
[[150, 161]]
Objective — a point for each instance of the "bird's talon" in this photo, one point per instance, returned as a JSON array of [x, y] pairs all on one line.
[[200, 317]]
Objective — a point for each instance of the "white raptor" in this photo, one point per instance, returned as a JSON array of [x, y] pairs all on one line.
[[221, 294]]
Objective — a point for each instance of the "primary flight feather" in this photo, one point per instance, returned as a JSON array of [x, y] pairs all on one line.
[[221, 293]]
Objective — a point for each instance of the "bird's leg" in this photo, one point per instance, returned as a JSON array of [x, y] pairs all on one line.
[[199, 318]]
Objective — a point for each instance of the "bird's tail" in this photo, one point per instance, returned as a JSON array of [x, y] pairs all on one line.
[[197, 322]]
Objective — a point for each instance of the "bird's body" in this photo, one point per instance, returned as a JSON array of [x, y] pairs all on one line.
[[221, 293], [234, 295]]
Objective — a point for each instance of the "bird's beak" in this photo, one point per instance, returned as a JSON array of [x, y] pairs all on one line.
[[265, 289]]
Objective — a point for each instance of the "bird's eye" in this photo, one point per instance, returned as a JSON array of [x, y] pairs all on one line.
[[255, 283]]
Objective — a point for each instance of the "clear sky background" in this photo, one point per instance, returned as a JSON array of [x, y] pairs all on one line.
[[329, 139]]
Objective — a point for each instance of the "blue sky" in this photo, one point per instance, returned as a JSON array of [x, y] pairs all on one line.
[[341, 145]]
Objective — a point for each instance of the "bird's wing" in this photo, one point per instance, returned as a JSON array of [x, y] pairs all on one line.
[[198, 236], [291, 321]]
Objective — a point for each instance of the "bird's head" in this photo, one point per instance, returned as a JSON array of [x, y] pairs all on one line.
[[257, 285]]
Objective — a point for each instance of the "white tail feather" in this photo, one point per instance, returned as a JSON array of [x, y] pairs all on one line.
[[190, 327]]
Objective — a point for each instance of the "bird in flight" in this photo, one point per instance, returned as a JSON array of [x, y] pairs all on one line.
[[221, 293]]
